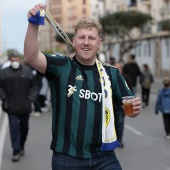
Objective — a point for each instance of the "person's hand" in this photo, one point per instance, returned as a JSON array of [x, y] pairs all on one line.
[[35, 9], [136, 107]]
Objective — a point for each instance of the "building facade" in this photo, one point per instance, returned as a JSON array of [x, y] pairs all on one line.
[[154, 48]]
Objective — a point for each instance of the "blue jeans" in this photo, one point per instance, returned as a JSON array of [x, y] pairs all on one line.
[[107, 161], [18, 131]]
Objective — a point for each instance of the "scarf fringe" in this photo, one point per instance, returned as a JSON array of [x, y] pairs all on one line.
[[110, 146]]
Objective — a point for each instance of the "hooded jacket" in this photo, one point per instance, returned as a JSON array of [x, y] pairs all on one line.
[[133, 71], [163, 101]]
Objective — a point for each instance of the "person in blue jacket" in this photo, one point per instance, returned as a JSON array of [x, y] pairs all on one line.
[[163, 105]]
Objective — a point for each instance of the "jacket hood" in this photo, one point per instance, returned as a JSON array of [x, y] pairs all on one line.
[[166, 91]]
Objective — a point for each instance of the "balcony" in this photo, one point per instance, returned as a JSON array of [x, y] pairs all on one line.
[[146, 2], [132, 3]]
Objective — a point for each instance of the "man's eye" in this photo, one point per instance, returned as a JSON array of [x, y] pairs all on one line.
[[81, 37], [92, 38]]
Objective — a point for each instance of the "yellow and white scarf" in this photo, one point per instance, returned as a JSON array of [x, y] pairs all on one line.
[[109, 138]]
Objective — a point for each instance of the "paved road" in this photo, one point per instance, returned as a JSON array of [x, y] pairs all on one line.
[[38, 153], [146, 147]]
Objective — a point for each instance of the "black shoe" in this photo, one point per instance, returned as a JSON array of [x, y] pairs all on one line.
[[16, 157], [121, 145]]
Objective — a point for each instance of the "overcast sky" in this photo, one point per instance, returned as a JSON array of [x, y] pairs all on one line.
[[14, 22]]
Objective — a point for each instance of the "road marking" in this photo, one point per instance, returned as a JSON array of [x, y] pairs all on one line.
[[133, 130], [2, 136]]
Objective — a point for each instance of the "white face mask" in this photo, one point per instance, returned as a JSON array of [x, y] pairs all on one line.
[[15, 64]]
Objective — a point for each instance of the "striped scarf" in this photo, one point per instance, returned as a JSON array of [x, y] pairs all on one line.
[[109, 138]]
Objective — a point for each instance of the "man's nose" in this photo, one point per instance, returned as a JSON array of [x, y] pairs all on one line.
[[86, 41]]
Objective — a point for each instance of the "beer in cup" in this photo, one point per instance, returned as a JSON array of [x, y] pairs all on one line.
[[127, 104]]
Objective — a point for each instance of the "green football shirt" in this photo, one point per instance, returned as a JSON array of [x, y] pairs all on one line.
[[77, 105]]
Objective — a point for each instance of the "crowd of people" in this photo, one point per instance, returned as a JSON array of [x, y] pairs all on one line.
[[86, 97], [135, 76]]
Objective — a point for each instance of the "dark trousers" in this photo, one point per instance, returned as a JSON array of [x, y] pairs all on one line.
[[42, 100], [145, 95], [37, 104], [166, 121], [119, 123], [19, 127], [105, 162]]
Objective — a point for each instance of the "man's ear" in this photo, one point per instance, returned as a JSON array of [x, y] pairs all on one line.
[[100, 43]]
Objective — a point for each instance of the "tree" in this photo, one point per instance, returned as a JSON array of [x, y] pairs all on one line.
[[123, 28], [60, 40], [165, 25]]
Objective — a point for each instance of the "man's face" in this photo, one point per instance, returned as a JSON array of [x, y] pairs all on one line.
[[86, 43]]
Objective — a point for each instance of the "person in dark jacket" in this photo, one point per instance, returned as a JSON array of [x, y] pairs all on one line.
[[118, 109], [146, 79], [17, 91], [132, 69]]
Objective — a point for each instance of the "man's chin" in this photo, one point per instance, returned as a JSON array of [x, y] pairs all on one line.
[[85, 60]]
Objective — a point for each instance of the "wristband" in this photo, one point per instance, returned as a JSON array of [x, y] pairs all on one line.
[[38, 19]]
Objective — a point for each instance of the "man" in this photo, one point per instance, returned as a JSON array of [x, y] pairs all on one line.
[[17, 91], [79, 139], [146, 80], [133, 71], [119, 111]]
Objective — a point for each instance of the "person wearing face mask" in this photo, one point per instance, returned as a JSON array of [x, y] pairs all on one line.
[[17, 91]]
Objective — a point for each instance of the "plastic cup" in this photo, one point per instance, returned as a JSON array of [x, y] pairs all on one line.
[[127, 104]]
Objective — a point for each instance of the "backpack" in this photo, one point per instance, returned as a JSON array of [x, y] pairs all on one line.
[[146, 82]]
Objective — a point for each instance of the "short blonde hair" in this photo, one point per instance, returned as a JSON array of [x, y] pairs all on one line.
[[89, 23], [166, 81]]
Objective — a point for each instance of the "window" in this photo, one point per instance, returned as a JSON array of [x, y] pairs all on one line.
[[56, 1], [139, 51], [145, 50], [132, 3], [84, 11], [149, 48], [167, 48]]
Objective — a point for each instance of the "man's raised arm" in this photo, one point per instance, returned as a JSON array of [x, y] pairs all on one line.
[[31, 49]]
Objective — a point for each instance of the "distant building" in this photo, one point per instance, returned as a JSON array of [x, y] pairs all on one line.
[[155, 45], [67, 13]]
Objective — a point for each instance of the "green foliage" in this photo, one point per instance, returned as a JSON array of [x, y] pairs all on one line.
[[59, 39], [123, 22], [165, 25], [121, 25]]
